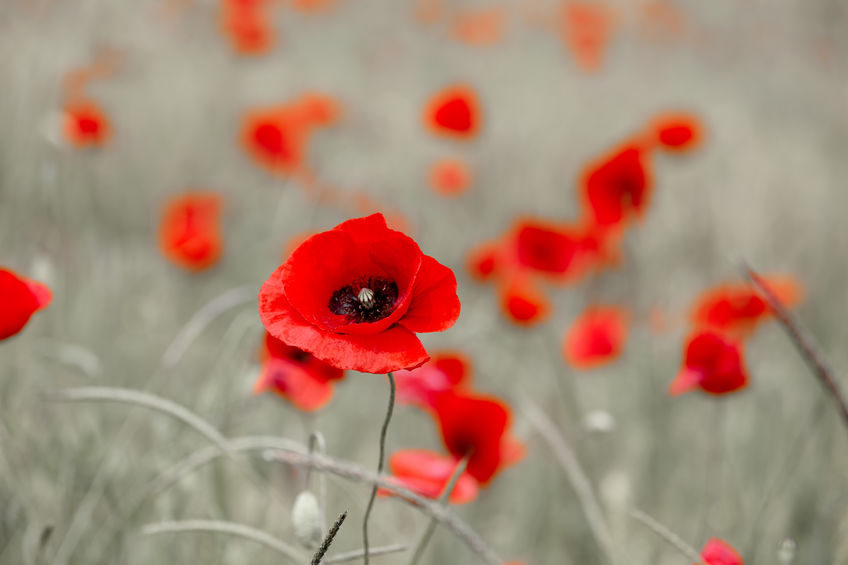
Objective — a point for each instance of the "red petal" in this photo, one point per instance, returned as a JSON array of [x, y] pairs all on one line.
[[719, 552], [294, 383], [435, 305], [596, 337], [685, 381], [391, 350], [42, 293], [523, 302], [17, 303]]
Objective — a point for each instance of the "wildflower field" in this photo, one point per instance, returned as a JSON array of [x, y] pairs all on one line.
[[529, 282]]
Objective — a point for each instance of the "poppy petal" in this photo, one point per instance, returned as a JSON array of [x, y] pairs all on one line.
[[685, 381], [435, 305]]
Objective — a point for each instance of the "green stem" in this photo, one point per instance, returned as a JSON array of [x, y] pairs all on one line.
[[380, 462]]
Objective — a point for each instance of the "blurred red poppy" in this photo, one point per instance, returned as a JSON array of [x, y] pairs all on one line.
[[294, 374], [245, 23], [478, 427], [454, 112], [277, 137], [737, 309], [711, 362], [719, 552], [677, 131], [427, 473], [523, 301], [586, 28], [596, 337], [85, 124], [450, 177], [189, 232], [355, 296], [444, 372], [617, 186], [20, 298]]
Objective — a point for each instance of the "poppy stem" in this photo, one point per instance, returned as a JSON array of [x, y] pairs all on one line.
[[803, 343], [380, 463], [670, 537], [443, 497]]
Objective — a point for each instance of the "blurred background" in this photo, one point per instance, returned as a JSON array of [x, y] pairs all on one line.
[[110, 110]]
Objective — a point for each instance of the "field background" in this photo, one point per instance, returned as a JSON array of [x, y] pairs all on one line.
[[768, 78]]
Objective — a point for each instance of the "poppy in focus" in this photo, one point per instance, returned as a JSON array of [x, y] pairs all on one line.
[[737, 309], [294, 374], [444, 372], [719, 552], [190, 233], [454, 112], [478, 427], [596, 337], [427, 473], [712, 363], [356, 295], [20, 298]]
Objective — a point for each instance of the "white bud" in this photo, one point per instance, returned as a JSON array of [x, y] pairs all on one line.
[[306, 518], [786, 551]]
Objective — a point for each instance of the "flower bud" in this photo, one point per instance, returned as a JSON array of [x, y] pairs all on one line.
[[306, 518]]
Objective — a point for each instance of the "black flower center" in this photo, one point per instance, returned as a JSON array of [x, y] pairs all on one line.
[[366, 299]]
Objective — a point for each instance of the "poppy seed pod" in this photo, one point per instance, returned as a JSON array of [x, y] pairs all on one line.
[[306, 519]]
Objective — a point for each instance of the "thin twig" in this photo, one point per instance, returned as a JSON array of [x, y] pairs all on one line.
[[443, 497], [673, 539], [576, 476], [380, 463], [427, 506], [217, 526], [328, 539], [800, 336]]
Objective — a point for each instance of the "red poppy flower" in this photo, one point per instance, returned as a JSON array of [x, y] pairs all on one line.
[[523, 301], [444, 372], [479, 27], [586, 28], [20, 298], [718, 552], [427, 473], [738, 309], [596, 337], [712, 363], [483, 261], [86, 124], [245, 24], [277, 137], [677, 132], [296, 375], [454, 112], [450, 177], [617, 186], [478, 427], [189, 233], [355, 296]]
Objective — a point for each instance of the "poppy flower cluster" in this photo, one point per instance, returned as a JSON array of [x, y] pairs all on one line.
[[296, 375], [190, 232], [277, 137], [454, 113], [355, 296], [613, 191], [20, 298], [723, 318], [471, 425]]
